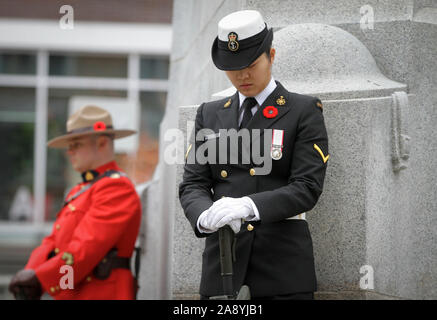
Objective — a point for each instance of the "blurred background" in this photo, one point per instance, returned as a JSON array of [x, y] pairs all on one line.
[[53, 60]]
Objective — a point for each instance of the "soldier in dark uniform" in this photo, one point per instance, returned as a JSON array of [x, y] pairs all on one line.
[[274, 253]]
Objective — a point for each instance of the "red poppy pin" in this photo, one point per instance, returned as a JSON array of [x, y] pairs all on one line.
[[270, 112], [99, 126]]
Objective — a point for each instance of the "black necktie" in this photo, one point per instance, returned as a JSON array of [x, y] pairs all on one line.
[[248, 104]]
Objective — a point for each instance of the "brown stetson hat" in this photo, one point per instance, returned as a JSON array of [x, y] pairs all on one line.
[[88, 120]]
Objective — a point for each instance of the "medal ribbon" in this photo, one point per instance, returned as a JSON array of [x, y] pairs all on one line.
[[277, 138]]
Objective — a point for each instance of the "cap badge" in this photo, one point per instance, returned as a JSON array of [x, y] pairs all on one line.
[[233, 44]]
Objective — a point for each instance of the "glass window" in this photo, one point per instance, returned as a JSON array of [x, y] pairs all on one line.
[[88, 66], [17, 125], [17, 63], [154, 67], [152, 111]]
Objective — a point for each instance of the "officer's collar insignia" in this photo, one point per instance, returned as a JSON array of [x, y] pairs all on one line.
[[228, 103], [319, 104], [89, 175], [280, 101], [233, 44]]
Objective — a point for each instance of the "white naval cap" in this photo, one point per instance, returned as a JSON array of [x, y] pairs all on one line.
[[241, 38], [245, 23]]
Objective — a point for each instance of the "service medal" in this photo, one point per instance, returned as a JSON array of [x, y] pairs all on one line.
[[277, 144], [276, 154]]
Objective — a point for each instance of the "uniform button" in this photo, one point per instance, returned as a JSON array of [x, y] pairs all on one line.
[[72, 208], [224, 173], [56, 250], [249, 227], [252, 172], [88, 278], [52, 289], [58, 226]]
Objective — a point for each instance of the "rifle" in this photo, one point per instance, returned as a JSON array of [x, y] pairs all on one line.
[[227, 241]]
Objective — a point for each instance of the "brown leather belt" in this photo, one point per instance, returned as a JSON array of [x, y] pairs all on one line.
[[109, 262], [121, 263]]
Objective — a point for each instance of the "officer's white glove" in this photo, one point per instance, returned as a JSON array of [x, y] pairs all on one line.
[[235, 225], [230, 211], [204, 222]]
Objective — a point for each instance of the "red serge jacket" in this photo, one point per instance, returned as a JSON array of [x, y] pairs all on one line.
[[105, 216]]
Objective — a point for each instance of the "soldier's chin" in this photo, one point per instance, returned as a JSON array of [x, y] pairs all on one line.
[[246, 90], [75, 166], [250, 91]]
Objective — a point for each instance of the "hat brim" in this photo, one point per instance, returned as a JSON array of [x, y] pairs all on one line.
[[228, 60], [64, 140]]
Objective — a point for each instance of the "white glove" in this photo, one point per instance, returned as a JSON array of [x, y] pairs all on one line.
[[204, 222], [235, 225], [230, 211]]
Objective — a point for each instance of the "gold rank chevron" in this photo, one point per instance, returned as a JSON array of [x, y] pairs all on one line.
[[321, 153], [188, 151]]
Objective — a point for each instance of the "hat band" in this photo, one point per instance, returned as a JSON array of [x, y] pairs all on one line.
[[253, 41], [86, 129]]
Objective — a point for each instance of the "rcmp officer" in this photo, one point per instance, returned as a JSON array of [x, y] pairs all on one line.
[[274, 253], [96, 230]]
